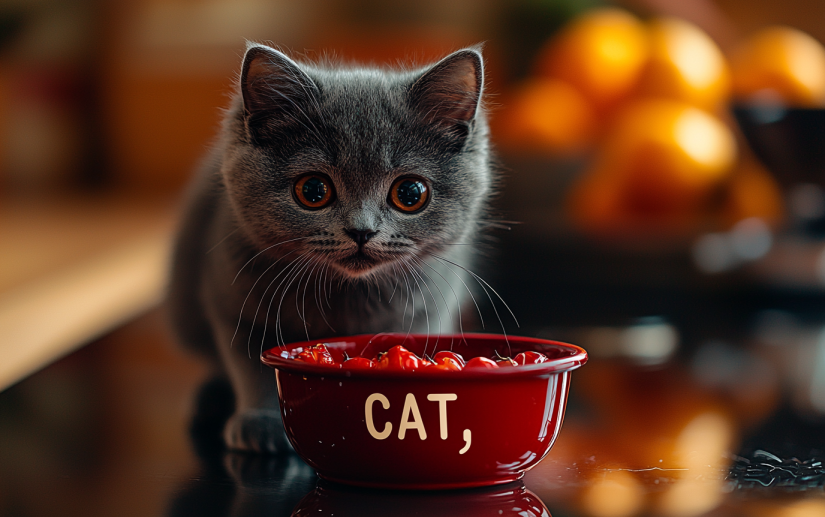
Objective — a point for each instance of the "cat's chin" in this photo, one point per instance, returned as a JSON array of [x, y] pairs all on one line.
[[359, 265]]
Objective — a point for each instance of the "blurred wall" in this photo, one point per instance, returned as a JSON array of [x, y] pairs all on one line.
[[128, 93]]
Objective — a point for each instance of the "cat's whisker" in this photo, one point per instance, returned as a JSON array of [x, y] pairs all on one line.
[[446, 305], [299, 270], [258, 308], [410, 295], [482, 283], [288, 269], [477, 278], [416, 270], [230, 234], [312, 276], [303, 272], [327, 292], [306, 272], [265, 250], [424, 302], [499, 225], [455, 295], [395, 274], [288, 279], [321, 305], [394, 287], [317, 293], [243, 306], [469, 291], [481, 280], [316, 264], [285, 282]]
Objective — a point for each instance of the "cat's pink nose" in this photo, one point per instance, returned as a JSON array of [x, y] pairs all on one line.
[[360, 236]]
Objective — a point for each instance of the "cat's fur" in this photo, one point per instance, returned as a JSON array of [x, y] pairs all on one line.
[[253, 268]]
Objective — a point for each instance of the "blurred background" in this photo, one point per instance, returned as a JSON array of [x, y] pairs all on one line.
[[663, 164]]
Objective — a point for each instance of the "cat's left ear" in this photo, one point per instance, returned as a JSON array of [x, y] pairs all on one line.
[[276, 92], [449, 93]]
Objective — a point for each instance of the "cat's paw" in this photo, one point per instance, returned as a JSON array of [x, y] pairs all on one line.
[[258, 430]]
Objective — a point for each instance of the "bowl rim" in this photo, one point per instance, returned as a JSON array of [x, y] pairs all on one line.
[[578, 357]]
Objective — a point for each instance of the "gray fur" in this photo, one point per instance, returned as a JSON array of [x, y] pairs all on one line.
[[253, 269]]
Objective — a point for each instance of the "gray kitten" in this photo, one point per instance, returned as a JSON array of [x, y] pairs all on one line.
[[337, 201]]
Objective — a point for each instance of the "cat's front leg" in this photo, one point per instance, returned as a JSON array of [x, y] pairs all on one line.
[[256, 424], [256, 430]]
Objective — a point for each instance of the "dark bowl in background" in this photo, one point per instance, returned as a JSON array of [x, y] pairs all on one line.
[[790, 142]]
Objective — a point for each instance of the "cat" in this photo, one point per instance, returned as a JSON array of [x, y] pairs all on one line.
[[338, 200]]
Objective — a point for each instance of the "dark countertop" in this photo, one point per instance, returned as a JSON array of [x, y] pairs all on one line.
[[720, 426]]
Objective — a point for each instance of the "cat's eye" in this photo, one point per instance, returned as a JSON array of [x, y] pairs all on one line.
[[409, 194], [314, 191]]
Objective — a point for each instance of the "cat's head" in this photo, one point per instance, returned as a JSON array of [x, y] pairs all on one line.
[[360, 168]]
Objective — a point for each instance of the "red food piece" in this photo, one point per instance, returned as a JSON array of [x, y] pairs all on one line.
[[530, 357], [398, 358], [505, 361], [448, 364], [480, 362], [358, 363], [447, 354], [316, 354]]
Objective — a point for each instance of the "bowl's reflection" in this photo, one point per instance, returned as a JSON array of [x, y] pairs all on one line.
[[330, 499], [253, 485]]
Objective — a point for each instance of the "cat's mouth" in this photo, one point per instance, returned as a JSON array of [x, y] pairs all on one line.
[[359, 263]]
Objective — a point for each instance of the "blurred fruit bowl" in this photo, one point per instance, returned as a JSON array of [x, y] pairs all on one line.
[[647, 102]]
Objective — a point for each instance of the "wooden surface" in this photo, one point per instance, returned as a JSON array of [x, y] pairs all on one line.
[[72, 268]]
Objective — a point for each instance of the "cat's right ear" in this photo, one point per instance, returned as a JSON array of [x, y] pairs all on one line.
[[449, 93], [276, 92]]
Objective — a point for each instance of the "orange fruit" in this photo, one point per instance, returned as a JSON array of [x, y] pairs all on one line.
[[780, 63], [594, 203], [685, 64], [600, 53], [550, 116], [668, 155], [752, 192], [601, 203]]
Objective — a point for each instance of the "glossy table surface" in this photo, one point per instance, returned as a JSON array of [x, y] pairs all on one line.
[[709, 406]]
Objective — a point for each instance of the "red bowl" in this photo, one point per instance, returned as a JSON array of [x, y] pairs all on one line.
[[424, 429], [509, 500]]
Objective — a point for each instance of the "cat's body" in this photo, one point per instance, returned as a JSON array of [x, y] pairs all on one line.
[[261, 260]]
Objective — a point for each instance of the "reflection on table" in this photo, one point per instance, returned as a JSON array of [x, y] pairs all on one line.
[[658, 422]]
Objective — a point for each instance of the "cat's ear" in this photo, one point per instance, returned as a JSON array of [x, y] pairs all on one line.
[[276, 92], [448, 94]]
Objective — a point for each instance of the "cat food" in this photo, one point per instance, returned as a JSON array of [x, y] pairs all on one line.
[[399, 358]]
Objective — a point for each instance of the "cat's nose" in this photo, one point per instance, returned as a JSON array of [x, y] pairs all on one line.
[[360, 236]]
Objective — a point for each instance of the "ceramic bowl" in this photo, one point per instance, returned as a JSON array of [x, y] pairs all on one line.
[[424, 429]]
